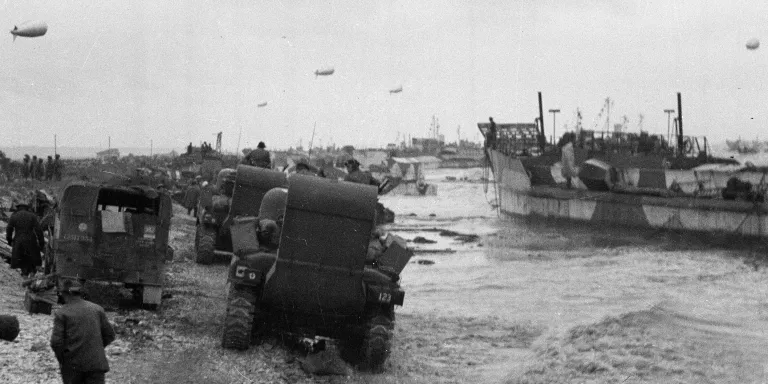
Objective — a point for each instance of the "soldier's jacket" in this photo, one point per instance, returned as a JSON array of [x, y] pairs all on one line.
[[192, 197], [80, 333], [258, 158], [358, 176], [26, 235]]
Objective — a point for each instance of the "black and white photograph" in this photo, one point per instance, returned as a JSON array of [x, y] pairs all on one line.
[[415, 192]]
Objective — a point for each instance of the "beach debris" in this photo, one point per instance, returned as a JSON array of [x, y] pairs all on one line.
[[325, 362], [753, 44], [29, 29], [423, 240], [434, 251], [425, 262], [327, 71], [397, 89], [262, 104], [464, 238]]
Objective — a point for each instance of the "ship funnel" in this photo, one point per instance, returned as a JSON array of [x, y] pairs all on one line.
[[542, 136], [679, 124]]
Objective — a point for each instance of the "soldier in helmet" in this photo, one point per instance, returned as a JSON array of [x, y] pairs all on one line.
[[25, 169], [49, 169], [192, 198], [33, 168], [356, 175], [57, 167], [80, 333], [259, 157], [303, 168], [25, 235], [40, 169]]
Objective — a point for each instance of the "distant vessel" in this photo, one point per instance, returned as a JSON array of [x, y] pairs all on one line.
[[624, 179], [744, 147]]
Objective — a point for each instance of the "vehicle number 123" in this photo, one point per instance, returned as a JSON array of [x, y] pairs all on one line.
[[385, 297]]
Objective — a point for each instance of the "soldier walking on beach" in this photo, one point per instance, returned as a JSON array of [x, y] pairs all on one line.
[[33, 168], [49, 169], [81, 331], [57, 167], [192, 198], [40, 169], [25, 169], [25, 235]]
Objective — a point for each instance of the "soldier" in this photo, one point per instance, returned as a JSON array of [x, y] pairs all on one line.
[[259, 157], [40, 169], [192, 198], [490, 140], [33, 168], [25, 169], [25, 235], [81, 331], [355, 175], [49, 169], [303, 168], [57, 167]]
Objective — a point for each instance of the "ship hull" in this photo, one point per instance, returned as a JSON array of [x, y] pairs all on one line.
[[517, 197]]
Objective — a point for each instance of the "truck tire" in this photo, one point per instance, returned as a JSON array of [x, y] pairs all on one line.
[[35, 306], [9, 327], [377, 340], [238, 324], [205, 246]]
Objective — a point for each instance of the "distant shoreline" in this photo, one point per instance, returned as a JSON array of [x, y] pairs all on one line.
[[17, 153]]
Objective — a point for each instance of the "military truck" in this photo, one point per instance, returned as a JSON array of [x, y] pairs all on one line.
[[312, 265], [107, 233], [200, 162], [218, 204]]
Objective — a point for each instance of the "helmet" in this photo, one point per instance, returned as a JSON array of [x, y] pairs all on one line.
[[225, 181], [273, 204], [71, 286]]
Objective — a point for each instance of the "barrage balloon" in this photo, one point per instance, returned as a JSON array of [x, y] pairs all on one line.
[[753, 44], [29, 29]]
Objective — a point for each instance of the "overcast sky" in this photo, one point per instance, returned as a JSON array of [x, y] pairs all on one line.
[[179, 71]]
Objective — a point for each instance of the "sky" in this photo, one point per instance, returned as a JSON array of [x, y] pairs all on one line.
[[140, 73]]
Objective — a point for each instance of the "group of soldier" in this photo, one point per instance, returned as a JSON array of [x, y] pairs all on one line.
[[260, 157], [36, 169]]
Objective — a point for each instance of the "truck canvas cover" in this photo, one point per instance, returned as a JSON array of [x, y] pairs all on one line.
[[112, 233]]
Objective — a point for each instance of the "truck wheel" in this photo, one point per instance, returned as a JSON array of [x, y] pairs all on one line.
[[34, 306], [238, 324], [205, 247], [377, 340], [9, 327]]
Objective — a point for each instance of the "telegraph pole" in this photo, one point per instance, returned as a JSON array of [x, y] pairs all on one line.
[[553, 112]]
